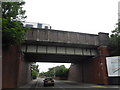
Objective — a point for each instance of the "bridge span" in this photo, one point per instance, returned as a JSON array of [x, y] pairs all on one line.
[[48, 45]]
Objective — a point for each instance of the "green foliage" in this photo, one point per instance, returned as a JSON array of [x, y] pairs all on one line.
[[13, 11], [34, 74], [35, 70], [12, 29], [12, 32], [42, 74], [50, 72], [59, 71], [34, 67], [114, 46]]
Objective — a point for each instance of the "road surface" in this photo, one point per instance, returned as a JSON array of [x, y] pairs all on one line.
[[63, 85]]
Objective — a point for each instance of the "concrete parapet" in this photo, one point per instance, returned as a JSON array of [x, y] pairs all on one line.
[[57, 36], [103, 39]]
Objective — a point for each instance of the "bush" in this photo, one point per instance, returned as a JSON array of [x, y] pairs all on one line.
[[34, 74]]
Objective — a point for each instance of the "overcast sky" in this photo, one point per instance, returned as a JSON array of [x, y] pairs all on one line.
[[43, 67], [87, 16]]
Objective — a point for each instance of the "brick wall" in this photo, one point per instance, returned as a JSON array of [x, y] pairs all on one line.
[[9, 67], [15, 71], [93, 70], [24, 71], [75, 72]]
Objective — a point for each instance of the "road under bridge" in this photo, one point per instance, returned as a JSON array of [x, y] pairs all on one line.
[[87, 52]]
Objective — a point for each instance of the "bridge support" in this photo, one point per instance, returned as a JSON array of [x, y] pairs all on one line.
[[24, 71], [93, 70], [75, 72], [15, 70]]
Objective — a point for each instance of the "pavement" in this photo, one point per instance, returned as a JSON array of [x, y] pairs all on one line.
[[65, 85]]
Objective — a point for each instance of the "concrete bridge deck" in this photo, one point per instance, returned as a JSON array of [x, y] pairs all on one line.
[[61, 46], [48, 36]]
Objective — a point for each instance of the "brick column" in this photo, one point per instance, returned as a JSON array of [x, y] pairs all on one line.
[[103, 52]]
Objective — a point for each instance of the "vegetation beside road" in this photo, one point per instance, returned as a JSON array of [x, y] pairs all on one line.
[[58, 71], [114, 45], [34, 70]]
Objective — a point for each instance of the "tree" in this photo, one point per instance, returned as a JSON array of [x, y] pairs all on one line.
[[34, 70], [12, 27], [114, 46], [42, 74], [12, 11], [59, 71], [50, 72], [34, 74]]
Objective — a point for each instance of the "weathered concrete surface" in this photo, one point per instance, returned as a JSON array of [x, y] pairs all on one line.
[[103, 39], [59, 50], [42, 35], [42, 42], [15, 70]]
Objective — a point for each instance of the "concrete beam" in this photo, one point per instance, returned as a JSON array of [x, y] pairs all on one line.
[[58, 50], [41, 49], [61, 37]]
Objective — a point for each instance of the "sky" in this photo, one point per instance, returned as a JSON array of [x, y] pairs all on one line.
[[87, 16], [43, 67]]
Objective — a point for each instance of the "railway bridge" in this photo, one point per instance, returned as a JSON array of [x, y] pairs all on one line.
[[61, 46], [86, 52]]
